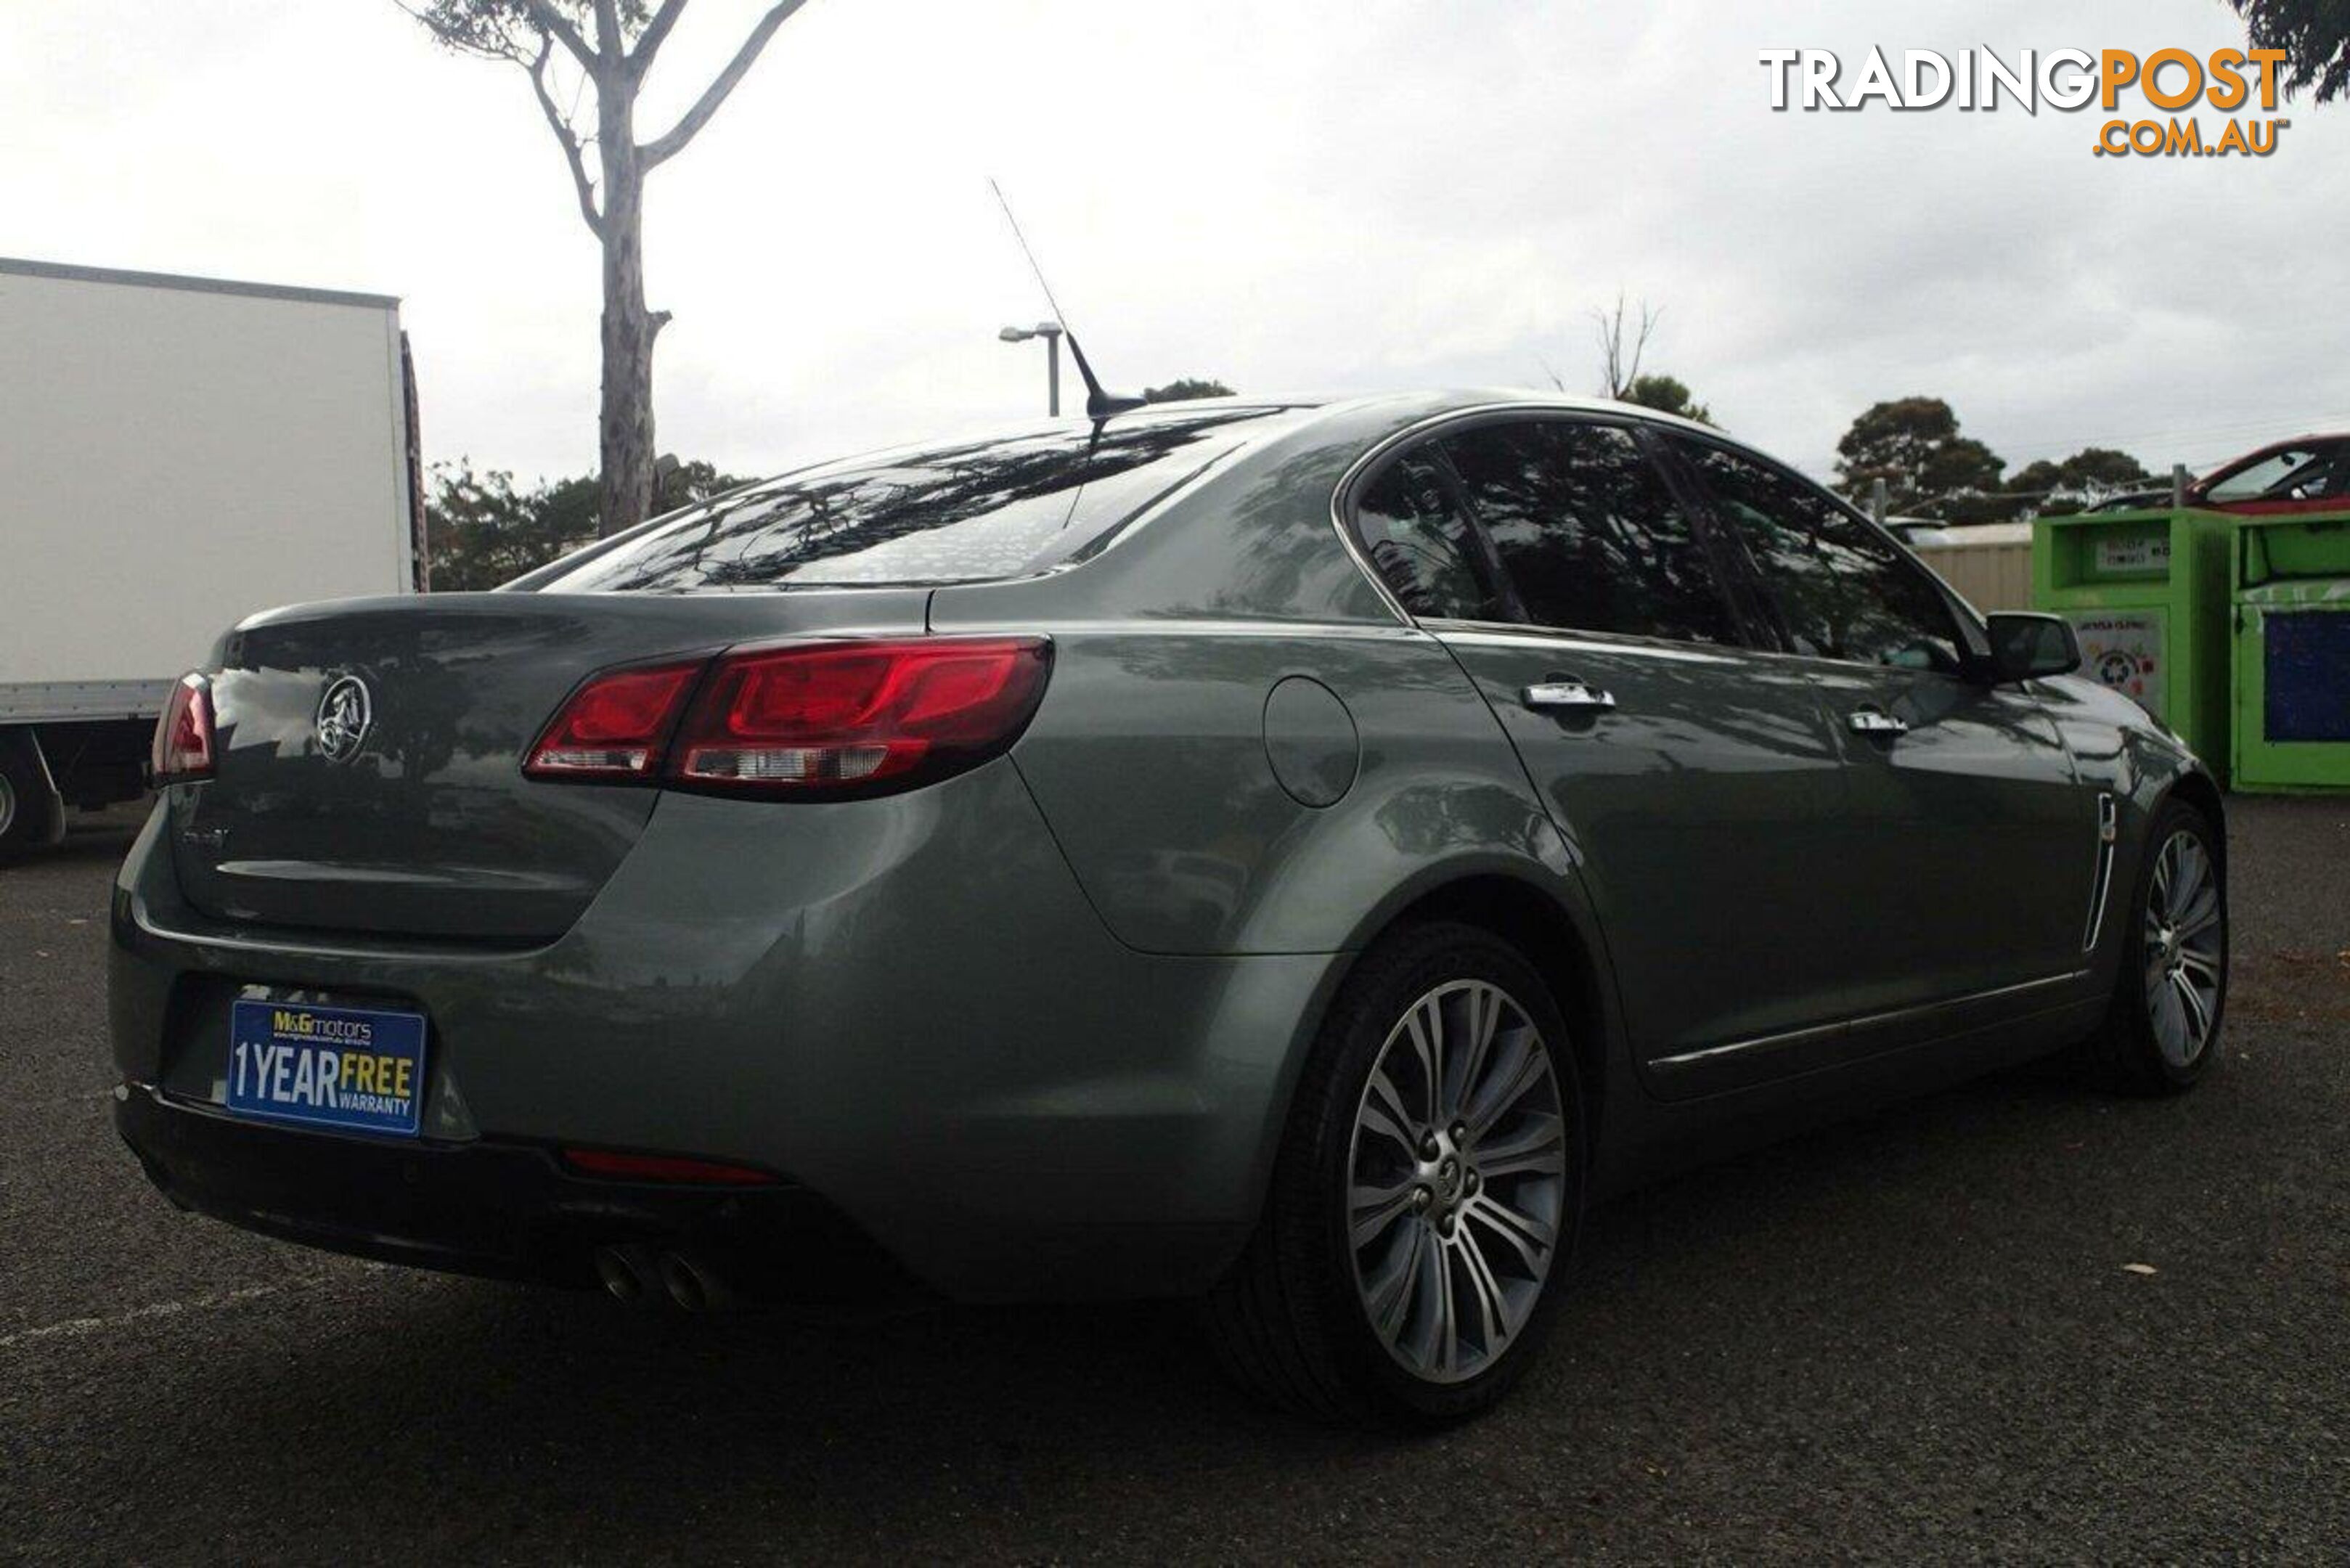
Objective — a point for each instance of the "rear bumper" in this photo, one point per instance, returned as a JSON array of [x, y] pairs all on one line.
[[502, 1210], [904, 1004]]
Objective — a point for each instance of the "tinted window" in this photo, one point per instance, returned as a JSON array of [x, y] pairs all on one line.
[[1419, 539], [948, 514], [1589, 535], [1845, 591]]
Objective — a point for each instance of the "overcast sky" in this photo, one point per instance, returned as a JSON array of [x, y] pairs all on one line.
[[1304, 195]]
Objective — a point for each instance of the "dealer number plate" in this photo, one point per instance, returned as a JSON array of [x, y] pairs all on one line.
[[357, 1069]]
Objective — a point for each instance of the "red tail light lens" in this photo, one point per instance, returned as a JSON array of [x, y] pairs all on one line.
[[812, 720], [183, 735], [618, 1167], [860, 717], [614, 726]]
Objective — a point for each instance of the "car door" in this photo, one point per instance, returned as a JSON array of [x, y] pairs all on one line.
[[1694, 779], [1965, 852]]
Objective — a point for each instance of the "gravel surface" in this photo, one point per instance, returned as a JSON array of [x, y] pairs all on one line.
[[2017, 1320]]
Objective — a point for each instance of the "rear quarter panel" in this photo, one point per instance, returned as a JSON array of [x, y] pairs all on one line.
[[1150, 760]]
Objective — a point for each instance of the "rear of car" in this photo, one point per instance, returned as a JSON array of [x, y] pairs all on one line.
[[679, 898]]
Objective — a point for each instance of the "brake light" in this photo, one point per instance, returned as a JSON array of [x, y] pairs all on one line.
[[858, 717], [182, 749], [614, 725], [615, 1165], [812, 720]]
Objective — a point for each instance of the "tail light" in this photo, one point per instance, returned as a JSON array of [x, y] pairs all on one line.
[[183, 735], [858, 715], [614, 726], [807, 720], [618, 1166]]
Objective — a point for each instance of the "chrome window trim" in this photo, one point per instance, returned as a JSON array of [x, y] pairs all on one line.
[[1510, 634], [1816, 1031]]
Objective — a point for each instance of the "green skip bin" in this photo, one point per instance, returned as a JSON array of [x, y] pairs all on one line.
[[2148, 593], [2291, 583]]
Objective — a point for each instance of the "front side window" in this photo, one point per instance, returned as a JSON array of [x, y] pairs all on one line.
[[1587, 532], [974, 513], [1419, 539], [1844, 592]]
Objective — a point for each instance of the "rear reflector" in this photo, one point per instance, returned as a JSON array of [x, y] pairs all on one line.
[[811, 721], [859, 717], [182, 749], [613, 727], [619, 1167]]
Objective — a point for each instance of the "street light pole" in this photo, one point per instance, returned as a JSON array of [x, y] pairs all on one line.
[[1050, 331]]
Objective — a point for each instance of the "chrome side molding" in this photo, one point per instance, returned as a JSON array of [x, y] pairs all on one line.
[[1813, 1032]]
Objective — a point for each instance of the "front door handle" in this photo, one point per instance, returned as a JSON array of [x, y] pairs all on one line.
[[1875, 722], [1566, 697]]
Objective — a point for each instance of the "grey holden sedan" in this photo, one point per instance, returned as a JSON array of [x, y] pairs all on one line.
[[1298, 855]]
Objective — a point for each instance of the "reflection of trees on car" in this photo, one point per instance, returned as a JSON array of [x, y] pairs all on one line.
[[868, 521]]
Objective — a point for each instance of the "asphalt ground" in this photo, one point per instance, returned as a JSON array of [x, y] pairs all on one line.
[[2018, 1320]]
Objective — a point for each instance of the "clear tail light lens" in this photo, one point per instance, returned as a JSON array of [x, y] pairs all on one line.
[[183, 735], [858, 717], [614, 726], [811, 721]]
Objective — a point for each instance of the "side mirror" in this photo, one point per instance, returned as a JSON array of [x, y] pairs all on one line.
[[2025, 647]]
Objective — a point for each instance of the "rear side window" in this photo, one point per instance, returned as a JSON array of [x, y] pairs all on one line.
[[1844, 591], [986, 510], [1590, 537], [1419, 540]]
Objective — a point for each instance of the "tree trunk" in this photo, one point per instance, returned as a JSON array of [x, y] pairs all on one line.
[[626, 418]]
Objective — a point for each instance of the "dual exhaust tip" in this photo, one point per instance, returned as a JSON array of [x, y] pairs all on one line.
[[640, 1276]]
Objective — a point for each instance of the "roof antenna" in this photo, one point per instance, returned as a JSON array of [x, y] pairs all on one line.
[[1099, 405]]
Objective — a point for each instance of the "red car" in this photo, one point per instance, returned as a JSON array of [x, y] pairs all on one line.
[[2308, 473]]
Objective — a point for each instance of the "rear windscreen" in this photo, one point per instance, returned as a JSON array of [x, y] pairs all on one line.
[[982, 511]]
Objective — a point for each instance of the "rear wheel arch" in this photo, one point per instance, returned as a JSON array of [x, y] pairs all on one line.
[[1547, 935]]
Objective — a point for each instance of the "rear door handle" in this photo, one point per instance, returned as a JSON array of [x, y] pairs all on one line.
[[1566, 697], [1875, 722]]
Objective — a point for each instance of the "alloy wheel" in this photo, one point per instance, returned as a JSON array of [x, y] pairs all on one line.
[[1456, 1181], [2184, 948]]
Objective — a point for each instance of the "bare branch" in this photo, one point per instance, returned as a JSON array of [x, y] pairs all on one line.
[[656, 33], [1640, 343], [1618, 369], [556, 26], [669, 144], [572, 155]]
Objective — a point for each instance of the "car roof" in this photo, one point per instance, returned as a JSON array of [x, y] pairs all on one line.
[[1435, 402]]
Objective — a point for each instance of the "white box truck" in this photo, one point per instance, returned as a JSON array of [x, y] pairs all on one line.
[[175, 454]]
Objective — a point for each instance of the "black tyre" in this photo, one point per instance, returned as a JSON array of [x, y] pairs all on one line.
[[2161, 1033], [1428, 1195], [31, 815]]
